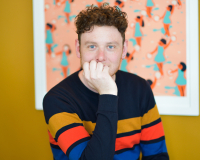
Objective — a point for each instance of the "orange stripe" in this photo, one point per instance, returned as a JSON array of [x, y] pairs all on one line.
[[67, 138], [153, 132], [51, 139], [127, 142], [60, 120]]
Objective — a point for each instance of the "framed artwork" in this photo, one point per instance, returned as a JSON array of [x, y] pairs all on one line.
[[162, 48]]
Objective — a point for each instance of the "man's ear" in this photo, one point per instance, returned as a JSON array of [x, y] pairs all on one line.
[[125, 48], [77, 46]]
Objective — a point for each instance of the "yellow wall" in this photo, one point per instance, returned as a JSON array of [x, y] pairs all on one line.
[[23, 133]]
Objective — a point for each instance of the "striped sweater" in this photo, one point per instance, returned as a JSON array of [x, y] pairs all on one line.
[[83, 125]]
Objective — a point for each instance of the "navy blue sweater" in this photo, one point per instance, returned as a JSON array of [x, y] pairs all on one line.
[[87, 126]]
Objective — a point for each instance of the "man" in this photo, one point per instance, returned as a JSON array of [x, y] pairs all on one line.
[[100, 113]]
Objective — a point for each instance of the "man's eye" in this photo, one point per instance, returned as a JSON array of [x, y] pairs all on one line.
[[92, 46], [110, 47]]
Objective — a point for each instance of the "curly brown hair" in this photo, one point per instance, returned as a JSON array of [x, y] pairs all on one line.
[[101, 16]]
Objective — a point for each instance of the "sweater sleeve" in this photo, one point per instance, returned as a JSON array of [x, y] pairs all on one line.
[[152, 142], [66, 130]]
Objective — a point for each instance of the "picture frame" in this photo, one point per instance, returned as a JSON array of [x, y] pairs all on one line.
[[185, 106]]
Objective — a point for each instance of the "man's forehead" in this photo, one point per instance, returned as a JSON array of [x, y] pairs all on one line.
[[106, 34]]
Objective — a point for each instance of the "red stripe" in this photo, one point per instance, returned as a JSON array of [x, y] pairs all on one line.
[[153, 132], [51, 139], [127, 142], [67, 138]]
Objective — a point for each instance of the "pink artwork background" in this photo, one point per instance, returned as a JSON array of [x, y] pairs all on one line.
[[140, 65]]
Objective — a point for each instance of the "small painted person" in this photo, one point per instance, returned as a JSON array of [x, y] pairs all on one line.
[[67, 9], [181, 78], [149, 7], [119, 4], [137, 29], [64, 59], [49, 36], [167, 18], [160, 57]]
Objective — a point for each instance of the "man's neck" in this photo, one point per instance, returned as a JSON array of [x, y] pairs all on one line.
[[84, 81]]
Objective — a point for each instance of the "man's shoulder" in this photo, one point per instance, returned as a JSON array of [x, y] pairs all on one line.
[[65, 85]]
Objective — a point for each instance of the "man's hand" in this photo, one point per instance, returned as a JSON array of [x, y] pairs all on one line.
[[98, 77]]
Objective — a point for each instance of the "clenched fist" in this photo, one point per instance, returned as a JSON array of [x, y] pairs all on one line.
[[98, 77]]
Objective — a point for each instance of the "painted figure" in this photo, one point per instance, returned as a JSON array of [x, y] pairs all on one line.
[[166, 19], [137, 28], [160, 57], [149, 6], [49, 36], [181, 78], [67, 9], [64, 60], [99, 3], [126, 60], [153, 84], [119, 4]]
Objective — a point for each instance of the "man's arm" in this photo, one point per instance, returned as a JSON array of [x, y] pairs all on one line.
[[152, 142], [102, 144]]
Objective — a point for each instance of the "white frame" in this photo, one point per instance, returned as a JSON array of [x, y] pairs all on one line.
[[39, 50], [188, 106]]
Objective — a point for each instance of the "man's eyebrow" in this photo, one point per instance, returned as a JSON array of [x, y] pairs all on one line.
[[92, 42], [114, 42]]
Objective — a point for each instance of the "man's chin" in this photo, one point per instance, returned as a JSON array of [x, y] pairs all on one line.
[[113, 75]]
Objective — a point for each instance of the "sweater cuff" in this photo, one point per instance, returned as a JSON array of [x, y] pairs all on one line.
[[108, 103]]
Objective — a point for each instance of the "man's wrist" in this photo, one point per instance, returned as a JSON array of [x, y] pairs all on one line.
[[111, 92]]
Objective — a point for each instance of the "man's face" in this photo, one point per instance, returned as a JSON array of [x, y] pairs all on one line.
[[102, 44]]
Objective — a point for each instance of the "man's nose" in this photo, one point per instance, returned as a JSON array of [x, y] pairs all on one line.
[[100, 55]]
